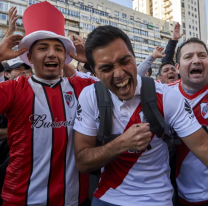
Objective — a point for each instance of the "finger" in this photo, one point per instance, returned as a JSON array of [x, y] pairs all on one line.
[[11, 10], [21, 51], [73, 56], [15, 19], [13, 15]]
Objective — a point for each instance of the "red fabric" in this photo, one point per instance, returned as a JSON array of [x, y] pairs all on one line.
[[43, 16]]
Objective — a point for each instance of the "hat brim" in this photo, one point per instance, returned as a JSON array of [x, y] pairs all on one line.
[[28, 40], [14, 66]]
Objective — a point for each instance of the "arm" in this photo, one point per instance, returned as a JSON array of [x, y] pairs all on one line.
[[12, 22], [198, 144], [3, 133], [146, 64], [90, 158], [170, 48]]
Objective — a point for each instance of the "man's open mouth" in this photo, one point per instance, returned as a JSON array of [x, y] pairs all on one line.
[[171, 77], [51, 64], [123, 87], [196, 71]]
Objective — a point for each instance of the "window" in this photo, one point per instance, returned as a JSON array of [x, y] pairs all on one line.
[[90, 4], [184, 25], [189, 6], [193, 27], [184, 31], [189, 26], [197, 35], [190, 33], [182, 4], [3, 16], [138, 19], [189, 13], [124, 16], [196, 29], [116, 13], [145, 22], [195, 16], [108, 10], [131, 18]]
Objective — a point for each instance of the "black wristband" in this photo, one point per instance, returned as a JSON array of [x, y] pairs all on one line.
[[1, 67]]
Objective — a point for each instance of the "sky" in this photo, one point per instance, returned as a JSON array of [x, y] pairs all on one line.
[[128, 3]]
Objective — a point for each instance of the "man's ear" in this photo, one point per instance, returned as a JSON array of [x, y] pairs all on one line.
[[7, 75], [177, 67], [29, 57]]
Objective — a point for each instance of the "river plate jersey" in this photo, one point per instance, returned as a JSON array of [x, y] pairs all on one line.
[[191, 173], [42, 167], [136, 177]]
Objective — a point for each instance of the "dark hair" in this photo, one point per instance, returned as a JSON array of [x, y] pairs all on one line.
[[190, 40], [102, 36], [163, 64], [150, 71]]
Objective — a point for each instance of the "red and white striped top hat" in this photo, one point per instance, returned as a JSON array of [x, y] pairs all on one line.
[[44, 21]]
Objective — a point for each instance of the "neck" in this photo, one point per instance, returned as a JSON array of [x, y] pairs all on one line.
[[191, 88]]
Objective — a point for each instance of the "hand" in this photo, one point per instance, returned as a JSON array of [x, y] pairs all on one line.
[[176, 32], [136, 138], [158, 52], [80, 50], [12, 21], [6, 46]]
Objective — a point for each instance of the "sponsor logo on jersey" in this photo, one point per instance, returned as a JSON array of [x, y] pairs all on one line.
[[188, 107], [204, 110], [69, 98], [38, 121]]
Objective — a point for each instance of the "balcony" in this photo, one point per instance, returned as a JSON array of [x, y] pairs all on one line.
[[167, 4], [168, 11]]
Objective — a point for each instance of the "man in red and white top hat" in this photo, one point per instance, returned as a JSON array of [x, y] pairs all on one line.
[[41, 112]]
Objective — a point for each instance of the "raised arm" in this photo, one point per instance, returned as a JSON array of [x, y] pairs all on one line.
[[170, 48], [12, 22], [146, 64]]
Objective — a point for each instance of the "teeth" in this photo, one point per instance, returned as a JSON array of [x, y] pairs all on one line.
[[51, 63], [122, 84]]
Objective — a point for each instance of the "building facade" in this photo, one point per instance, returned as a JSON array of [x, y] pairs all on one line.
[[191, 14], [82, 16]]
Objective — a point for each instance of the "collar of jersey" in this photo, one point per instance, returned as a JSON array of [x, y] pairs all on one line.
[[47, 84]]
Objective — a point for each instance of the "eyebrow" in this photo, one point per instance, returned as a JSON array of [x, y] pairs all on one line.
[[110, 65], [46, 44]]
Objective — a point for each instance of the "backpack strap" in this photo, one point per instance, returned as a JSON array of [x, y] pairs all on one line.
[[158, 125], [105, 109]]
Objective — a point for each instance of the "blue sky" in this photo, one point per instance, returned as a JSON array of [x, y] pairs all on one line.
[[128, 3]]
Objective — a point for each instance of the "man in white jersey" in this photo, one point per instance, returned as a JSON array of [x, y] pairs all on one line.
[[41, 112], [132, 175], [191, 173]]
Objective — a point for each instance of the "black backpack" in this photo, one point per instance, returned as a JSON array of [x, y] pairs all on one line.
[[149, 107]]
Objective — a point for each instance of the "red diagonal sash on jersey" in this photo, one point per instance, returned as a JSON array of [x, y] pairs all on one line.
[[58, 156], [116, 171]]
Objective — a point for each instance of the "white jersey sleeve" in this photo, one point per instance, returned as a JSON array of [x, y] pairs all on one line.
[[87, 112], [85, 75], [178, 112]]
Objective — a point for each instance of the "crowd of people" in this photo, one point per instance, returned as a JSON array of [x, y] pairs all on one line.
[[51, 118]]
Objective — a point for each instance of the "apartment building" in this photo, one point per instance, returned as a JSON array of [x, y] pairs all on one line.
[[82, 16], [191, 14]]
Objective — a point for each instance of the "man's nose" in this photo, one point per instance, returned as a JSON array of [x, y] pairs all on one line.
[[118, 72], [51, 53]]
